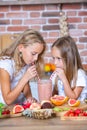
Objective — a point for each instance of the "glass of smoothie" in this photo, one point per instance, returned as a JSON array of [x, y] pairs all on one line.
[[44, 89]]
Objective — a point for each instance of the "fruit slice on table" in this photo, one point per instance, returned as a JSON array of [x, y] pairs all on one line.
[[46, 104], [35, 106], [17, 109], [58, 109], [73, 103], [58, 100]]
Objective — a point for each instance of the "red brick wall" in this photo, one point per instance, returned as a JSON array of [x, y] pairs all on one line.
[[45, 18]]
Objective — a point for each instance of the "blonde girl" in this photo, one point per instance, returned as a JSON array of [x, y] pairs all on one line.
[[71, 77], [17, 67]]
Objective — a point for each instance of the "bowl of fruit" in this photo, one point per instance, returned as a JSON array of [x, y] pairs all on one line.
[[41, 110]]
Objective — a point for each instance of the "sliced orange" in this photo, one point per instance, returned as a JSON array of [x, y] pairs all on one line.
[[58, 100], [73, 103]]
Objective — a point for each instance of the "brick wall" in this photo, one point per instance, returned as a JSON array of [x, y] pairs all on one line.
[[45, 18]]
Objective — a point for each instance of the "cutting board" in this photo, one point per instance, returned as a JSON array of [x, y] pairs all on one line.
[[16, 115], [81, 106], [79, 118]]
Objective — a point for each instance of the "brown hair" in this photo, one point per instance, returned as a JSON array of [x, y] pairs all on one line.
[[70, 54]]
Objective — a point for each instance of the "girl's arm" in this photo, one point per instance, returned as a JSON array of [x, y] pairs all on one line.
[[55, 90], [28, 94], [8, 94], [71, 93], [27, 91], [11, 95]]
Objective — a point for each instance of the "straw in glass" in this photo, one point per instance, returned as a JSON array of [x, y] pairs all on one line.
[[52, 75]]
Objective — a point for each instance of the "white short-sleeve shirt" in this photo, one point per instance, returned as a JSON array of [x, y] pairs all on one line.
[[81, 81], [9, 66]]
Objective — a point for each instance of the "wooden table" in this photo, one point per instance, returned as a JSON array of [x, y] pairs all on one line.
[[26, 123]]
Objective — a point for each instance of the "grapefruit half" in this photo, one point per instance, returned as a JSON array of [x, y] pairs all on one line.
[[17, 109], [73, 103], [58, 100]]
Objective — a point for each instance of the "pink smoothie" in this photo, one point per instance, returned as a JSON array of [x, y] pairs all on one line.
[[44, 89]]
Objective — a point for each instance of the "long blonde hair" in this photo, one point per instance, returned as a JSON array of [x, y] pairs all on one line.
[[29, 36], [70, 54]]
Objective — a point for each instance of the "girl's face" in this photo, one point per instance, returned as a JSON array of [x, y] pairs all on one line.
[[58, 60], [30, 53]]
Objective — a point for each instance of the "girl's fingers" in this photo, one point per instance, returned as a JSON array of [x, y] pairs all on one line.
[[31, 100]]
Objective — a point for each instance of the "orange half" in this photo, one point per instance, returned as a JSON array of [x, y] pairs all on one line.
[[59, 100]]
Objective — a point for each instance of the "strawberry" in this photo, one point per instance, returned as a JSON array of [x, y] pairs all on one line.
[[27, 105], [76, 114], [5, 112], [67, 113], [72, 114], [84, 113], [78, 111]]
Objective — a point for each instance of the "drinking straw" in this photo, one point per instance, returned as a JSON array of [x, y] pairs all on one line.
[[33, 63], [52, 75], [38, 77]]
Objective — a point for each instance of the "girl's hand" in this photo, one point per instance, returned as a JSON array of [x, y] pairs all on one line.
[[60, 73], [30, 100], [30, 73]]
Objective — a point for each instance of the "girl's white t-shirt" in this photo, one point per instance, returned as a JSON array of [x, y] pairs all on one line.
[[9, 66], [81, 81]]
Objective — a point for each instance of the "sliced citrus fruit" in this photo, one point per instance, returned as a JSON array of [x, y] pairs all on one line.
[[58, 100], [73, 103], [17, 109], [35, 106]]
